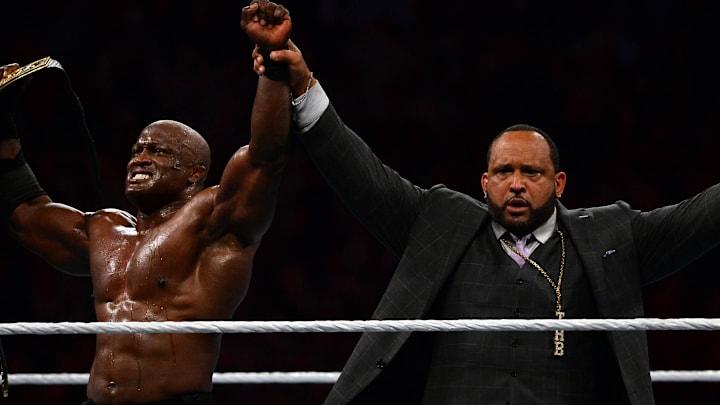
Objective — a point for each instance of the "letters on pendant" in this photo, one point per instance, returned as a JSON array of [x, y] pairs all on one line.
[[559, 338], [559, 341]]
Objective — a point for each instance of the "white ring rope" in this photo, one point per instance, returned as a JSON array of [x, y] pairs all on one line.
[[459, 325], [316, 377], [423, 325], [292, 377]]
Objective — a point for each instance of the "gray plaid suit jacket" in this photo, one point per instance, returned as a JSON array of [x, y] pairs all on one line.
[[620, 248]]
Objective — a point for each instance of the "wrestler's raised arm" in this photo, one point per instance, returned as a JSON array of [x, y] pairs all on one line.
[[246, 199]]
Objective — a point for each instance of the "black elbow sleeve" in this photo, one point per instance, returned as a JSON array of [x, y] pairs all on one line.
[[17, 184]]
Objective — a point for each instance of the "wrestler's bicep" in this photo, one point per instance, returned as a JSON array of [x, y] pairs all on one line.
[[245, 200], [56, 232]]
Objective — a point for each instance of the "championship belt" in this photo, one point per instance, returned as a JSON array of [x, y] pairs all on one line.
[[11, 87], [14, 84], [28, 70]]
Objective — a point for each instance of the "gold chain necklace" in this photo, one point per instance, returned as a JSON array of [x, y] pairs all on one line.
[[559, 338]]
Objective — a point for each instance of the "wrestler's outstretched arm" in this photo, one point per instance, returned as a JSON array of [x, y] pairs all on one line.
[[55, 232]]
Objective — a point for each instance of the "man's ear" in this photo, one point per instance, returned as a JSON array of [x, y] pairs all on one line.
[[560, 179], [483, 183], [199, 174]]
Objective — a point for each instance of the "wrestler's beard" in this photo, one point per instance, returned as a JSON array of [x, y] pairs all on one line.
[[538, 216]]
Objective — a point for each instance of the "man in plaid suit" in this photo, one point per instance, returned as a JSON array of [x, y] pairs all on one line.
[[457, 261]]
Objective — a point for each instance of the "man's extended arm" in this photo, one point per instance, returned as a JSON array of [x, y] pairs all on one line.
[[248, 188], [382, 200]]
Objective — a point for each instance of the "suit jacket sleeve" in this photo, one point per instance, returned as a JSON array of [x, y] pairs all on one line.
[[384, 202], [669, 238]]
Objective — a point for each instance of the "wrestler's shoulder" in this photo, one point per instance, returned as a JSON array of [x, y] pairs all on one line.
[[115, 216], [204, 198]]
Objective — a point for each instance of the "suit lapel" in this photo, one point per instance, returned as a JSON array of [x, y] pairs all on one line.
[[577, 224]]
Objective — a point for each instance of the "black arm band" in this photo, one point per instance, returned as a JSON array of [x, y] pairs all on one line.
[[17, 184], [274, 70]]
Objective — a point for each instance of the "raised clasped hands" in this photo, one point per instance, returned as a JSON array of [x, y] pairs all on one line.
[[267, 24]]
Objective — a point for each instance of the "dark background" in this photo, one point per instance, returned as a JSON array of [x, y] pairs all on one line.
[[629, 91]]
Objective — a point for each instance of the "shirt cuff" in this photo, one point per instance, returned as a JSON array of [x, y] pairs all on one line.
[[308, 112]]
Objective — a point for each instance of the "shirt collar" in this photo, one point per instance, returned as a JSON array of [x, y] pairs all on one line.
[[541, 233]]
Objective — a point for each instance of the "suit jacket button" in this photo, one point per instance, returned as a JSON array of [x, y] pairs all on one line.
[[380, 364]]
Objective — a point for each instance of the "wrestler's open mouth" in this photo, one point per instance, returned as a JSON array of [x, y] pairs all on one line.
[[139, 176]]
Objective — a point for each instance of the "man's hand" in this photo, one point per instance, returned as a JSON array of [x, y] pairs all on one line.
[[299, 72], [267, 24], [7, 70], [8, 101]]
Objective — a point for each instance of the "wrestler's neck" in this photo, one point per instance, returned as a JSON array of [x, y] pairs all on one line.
[[150, 219]]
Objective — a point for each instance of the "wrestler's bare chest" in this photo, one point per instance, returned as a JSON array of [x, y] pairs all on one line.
[[167, 272], [126, 262]]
